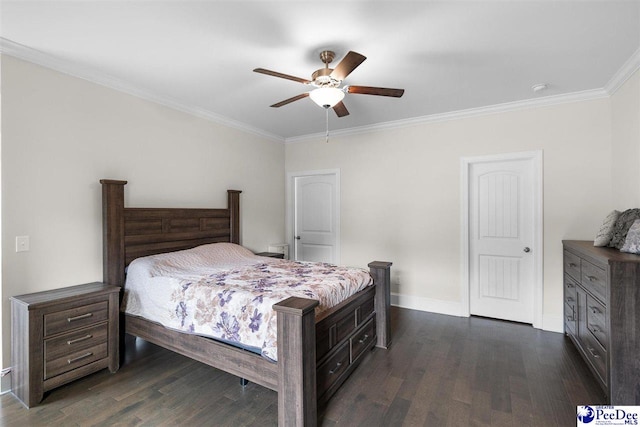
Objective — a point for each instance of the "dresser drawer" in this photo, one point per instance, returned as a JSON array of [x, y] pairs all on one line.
[[597, 356], [596, 321], [75, 341], [572, 265], [594, 279], [329, 372], [570, 291], [569, 319], [74, 360], [363, 340], [74, 318]]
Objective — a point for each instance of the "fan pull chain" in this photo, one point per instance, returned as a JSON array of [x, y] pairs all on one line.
[[326, 137]]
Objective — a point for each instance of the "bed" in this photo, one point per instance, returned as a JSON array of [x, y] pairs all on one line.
[[315, 353]]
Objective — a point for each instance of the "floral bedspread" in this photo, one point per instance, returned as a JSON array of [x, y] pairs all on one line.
[[235, 304]]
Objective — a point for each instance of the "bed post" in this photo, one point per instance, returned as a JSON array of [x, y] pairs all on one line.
[[113, 231], [297, 393], [381, 273], [233, 204]]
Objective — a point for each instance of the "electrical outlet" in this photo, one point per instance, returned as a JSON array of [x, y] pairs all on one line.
[[22, 243]]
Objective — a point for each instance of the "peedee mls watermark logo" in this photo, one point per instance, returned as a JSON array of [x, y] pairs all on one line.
[[608, 416]]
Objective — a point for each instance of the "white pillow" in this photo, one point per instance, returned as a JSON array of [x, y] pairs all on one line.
[[606, 229], [632, 241]]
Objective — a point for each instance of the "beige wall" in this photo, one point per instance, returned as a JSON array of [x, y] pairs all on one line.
[[625, 136], [61, 134], [401, 192], [400, 188]]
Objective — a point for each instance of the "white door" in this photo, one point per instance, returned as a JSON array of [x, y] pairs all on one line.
[[501, 239], [316, 213]]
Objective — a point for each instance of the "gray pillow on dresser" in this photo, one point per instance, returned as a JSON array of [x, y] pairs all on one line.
[[632, 242], [606, 229], [622, 226]]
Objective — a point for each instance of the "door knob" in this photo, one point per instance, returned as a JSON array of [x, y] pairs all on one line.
[[526, 249], [297, 237]]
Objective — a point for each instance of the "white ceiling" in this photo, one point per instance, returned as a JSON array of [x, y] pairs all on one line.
[[447, 55]]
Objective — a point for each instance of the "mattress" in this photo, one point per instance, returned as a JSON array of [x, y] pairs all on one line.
[[224, 291]]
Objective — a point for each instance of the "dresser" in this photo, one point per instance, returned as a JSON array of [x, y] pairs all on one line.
[[61, 335], [602, 315]]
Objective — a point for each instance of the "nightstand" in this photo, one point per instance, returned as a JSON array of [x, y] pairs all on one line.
[[271, 254], [61, 335]]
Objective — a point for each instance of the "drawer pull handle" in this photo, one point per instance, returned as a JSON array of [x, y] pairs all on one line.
[[573, 265], [592, 278], [595, 329], [366, 337], [569, 299], [570, 285], [570, 319], [333, 371], [82, 316], [86, 337], [75, 359], [595, 310], [593, 353]]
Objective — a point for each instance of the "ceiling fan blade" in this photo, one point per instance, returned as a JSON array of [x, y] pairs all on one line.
[[340, 109], [381, 91], [347, 65], [290, 100], [282, 76]]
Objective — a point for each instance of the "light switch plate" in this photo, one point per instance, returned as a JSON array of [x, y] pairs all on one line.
[[22, 243]]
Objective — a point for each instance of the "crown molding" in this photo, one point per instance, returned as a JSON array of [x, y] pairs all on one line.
[[461, 114], [11, 48], [624, 73], [25, 53]]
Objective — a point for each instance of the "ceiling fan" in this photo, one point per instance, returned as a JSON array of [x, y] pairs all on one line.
[[327, 81]]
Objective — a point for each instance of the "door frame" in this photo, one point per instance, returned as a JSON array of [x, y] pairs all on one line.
[[290, 206], [538, 250]]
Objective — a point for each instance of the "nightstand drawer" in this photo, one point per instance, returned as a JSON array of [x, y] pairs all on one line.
[[74, 360], [68, 320], [75, 341]]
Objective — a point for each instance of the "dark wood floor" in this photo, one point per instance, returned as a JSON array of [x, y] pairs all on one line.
[[440, 370]]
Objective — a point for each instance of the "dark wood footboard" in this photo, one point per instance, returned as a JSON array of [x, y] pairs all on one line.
[[314, 361], [315, 355]]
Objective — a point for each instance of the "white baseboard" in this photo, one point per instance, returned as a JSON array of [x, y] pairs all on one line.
[[451, 308], [551, 323], [5, 383]]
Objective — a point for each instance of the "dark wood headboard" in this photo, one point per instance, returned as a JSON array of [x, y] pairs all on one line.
[[129, 233]]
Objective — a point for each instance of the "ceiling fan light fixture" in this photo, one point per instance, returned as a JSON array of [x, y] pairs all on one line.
[[326, 97]]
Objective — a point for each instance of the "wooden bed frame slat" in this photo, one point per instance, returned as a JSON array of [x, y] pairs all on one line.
[[155, 213], [129, 233], [143, 238], [172, 245]]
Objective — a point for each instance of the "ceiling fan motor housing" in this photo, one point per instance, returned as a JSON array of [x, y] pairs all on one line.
[[322, 78]]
